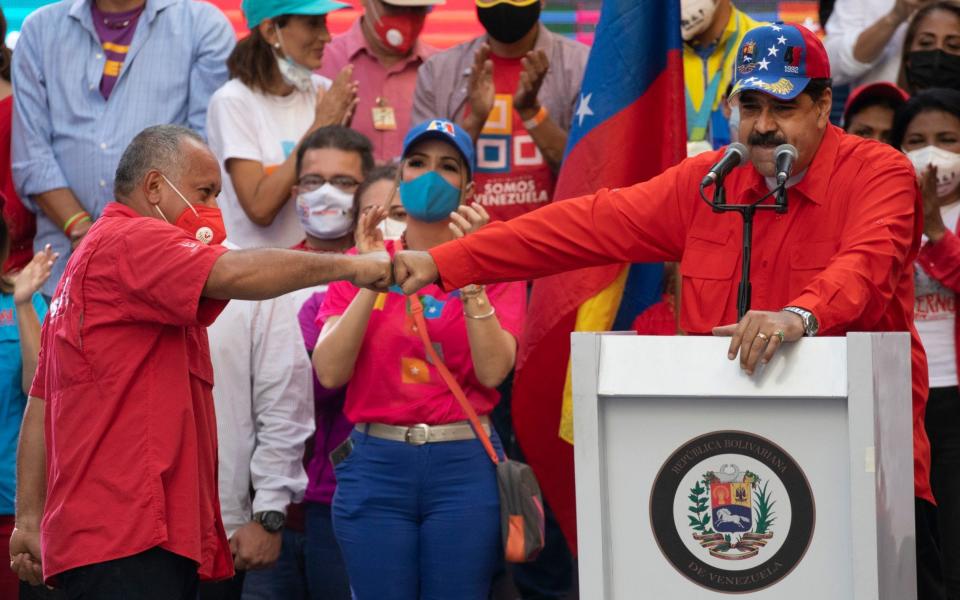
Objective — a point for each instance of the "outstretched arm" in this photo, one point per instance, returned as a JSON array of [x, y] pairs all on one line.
[[267, 273]]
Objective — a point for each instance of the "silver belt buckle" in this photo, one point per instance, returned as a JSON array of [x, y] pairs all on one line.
[[417, 435]]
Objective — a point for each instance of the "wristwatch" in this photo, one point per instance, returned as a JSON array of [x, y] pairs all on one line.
[[271, 520], [810, 323]]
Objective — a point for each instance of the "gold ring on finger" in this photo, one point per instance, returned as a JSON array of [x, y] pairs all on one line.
[[779, 334], [763, 336]]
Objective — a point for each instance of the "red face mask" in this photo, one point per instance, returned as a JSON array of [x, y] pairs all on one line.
[[204, 223], [398, 32]]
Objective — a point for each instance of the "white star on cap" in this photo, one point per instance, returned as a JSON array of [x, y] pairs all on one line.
[[772, 51], [782, 40], [775, 28], [763, 64]]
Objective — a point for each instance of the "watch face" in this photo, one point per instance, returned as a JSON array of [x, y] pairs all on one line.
[[272, 520]]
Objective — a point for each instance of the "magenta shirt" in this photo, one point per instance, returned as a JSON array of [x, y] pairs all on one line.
[[393, 380], [115, 31], [395, 85], [332, 426]]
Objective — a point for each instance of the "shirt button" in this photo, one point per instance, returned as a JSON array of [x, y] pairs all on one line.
[[103, 146], [99, 56], [92, 86]]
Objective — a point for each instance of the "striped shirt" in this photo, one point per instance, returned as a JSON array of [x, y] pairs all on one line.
[[67, 135]]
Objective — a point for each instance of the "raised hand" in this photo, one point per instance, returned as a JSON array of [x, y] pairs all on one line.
[[368, 236], [468, 219], [25, 556], [414, 270], [336, 105], [535, 66], [34, 275], [481, 92], [933, 226]]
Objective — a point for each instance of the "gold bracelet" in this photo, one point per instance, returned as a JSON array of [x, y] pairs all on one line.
[[492, 312]]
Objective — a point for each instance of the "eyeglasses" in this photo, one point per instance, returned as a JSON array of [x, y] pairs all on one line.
[[344, 183]]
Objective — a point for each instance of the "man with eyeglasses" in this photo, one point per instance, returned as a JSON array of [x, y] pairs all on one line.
[[266, 452]]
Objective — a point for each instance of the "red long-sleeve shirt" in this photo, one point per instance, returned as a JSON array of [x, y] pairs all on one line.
[[844, 250]]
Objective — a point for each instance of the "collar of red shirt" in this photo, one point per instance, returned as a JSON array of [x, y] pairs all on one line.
[[115, 209], [815, 182], [356, 43]]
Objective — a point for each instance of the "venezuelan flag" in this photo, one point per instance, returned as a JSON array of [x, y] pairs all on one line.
[[629, 126]]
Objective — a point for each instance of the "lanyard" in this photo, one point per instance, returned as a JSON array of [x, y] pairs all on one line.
[[697, 120]]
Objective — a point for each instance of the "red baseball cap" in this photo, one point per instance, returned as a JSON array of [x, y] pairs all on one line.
[[879, 90]]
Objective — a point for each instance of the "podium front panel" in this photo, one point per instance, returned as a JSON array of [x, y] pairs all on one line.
[[695, 480]]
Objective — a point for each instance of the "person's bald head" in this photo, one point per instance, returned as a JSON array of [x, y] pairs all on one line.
[[159, 158]]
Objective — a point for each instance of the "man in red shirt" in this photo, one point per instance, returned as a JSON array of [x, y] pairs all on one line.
[[118, 474], [841, 258]]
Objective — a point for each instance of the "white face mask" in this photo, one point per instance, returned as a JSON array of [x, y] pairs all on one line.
[[392, 229], [293, 73], [947, 163], [695, 17], [326, 213]]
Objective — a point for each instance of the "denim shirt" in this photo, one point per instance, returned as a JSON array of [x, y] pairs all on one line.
[[66, 135]]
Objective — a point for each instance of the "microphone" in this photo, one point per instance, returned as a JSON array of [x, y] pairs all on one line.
[[735, 155], [784, 156]]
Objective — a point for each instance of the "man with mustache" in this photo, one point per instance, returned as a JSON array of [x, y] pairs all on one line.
[[840, 259]]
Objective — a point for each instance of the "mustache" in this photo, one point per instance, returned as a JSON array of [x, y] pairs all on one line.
[[765, 139]]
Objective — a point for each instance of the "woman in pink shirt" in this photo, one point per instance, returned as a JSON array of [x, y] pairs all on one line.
[[416, 511]]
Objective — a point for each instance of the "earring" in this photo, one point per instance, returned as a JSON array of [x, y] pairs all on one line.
[[276, 45]]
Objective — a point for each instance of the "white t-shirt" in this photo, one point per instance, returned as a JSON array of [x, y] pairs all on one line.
[[247, 124], [935, 314]]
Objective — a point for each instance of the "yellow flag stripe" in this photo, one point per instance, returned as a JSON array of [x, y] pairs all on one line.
[[596, 314], [111, 47]]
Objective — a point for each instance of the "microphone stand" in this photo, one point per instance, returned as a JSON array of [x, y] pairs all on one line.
[[747, 212]]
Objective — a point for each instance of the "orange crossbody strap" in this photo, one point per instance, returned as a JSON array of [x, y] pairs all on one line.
[[420, 326]]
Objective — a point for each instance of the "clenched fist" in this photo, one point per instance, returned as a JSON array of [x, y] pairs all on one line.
[[414, 270], [372, 271]]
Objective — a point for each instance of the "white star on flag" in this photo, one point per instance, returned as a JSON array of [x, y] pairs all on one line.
[[763, 64], [782, 40], [772, 51], [584, 109], [775, 28]]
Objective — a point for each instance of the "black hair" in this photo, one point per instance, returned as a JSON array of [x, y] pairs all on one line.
[[933, 99], [6, 54], [817, 87], [338, 138]]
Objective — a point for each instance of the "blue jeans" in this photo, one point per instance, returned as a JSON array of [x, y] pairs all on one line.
[[418, 522], [309, 568]]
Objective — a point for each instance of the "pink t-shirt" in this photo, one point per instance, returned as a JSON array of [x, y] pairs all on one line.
[[393, 381]]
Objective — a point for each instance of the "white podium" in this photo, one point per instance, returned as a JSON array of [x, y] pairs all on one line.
[[695, 480]]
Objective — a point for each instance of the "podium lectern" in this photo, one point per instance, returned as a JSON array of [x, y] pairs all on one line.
[[696, 480]]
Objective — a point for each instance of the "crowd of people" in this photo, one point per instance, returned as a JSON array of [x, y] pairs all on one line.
[[211, 385]]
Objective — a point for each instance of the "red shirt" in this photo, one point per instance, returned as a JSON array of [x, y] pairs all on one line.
[[21, 222], [131, 436], [844, 250], [941, 260], [512, 176]]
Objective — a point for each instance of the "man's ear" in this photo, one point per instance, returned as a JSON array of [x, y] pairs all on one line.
[[824, 105], [152, 187]]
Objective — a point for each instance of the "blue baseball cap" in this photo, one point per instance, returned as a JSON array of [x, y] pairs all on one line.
[[257, 10], [446, 131], [779, 60]]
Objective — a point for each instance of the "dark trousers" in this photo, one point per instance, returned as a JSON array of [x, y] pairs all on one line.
[[155, 574], [943, 429], [229, 589]]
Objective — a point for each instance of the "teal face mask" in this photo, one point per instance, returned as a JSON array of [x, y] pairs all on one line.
[[429, 198]]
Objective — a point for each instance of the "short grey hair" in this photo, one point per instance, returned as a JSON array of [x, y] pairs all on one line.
[[154, 148]]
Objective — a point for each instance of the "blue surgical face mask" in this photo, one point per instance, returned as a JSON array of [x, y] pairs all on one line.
[[429, 197]]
